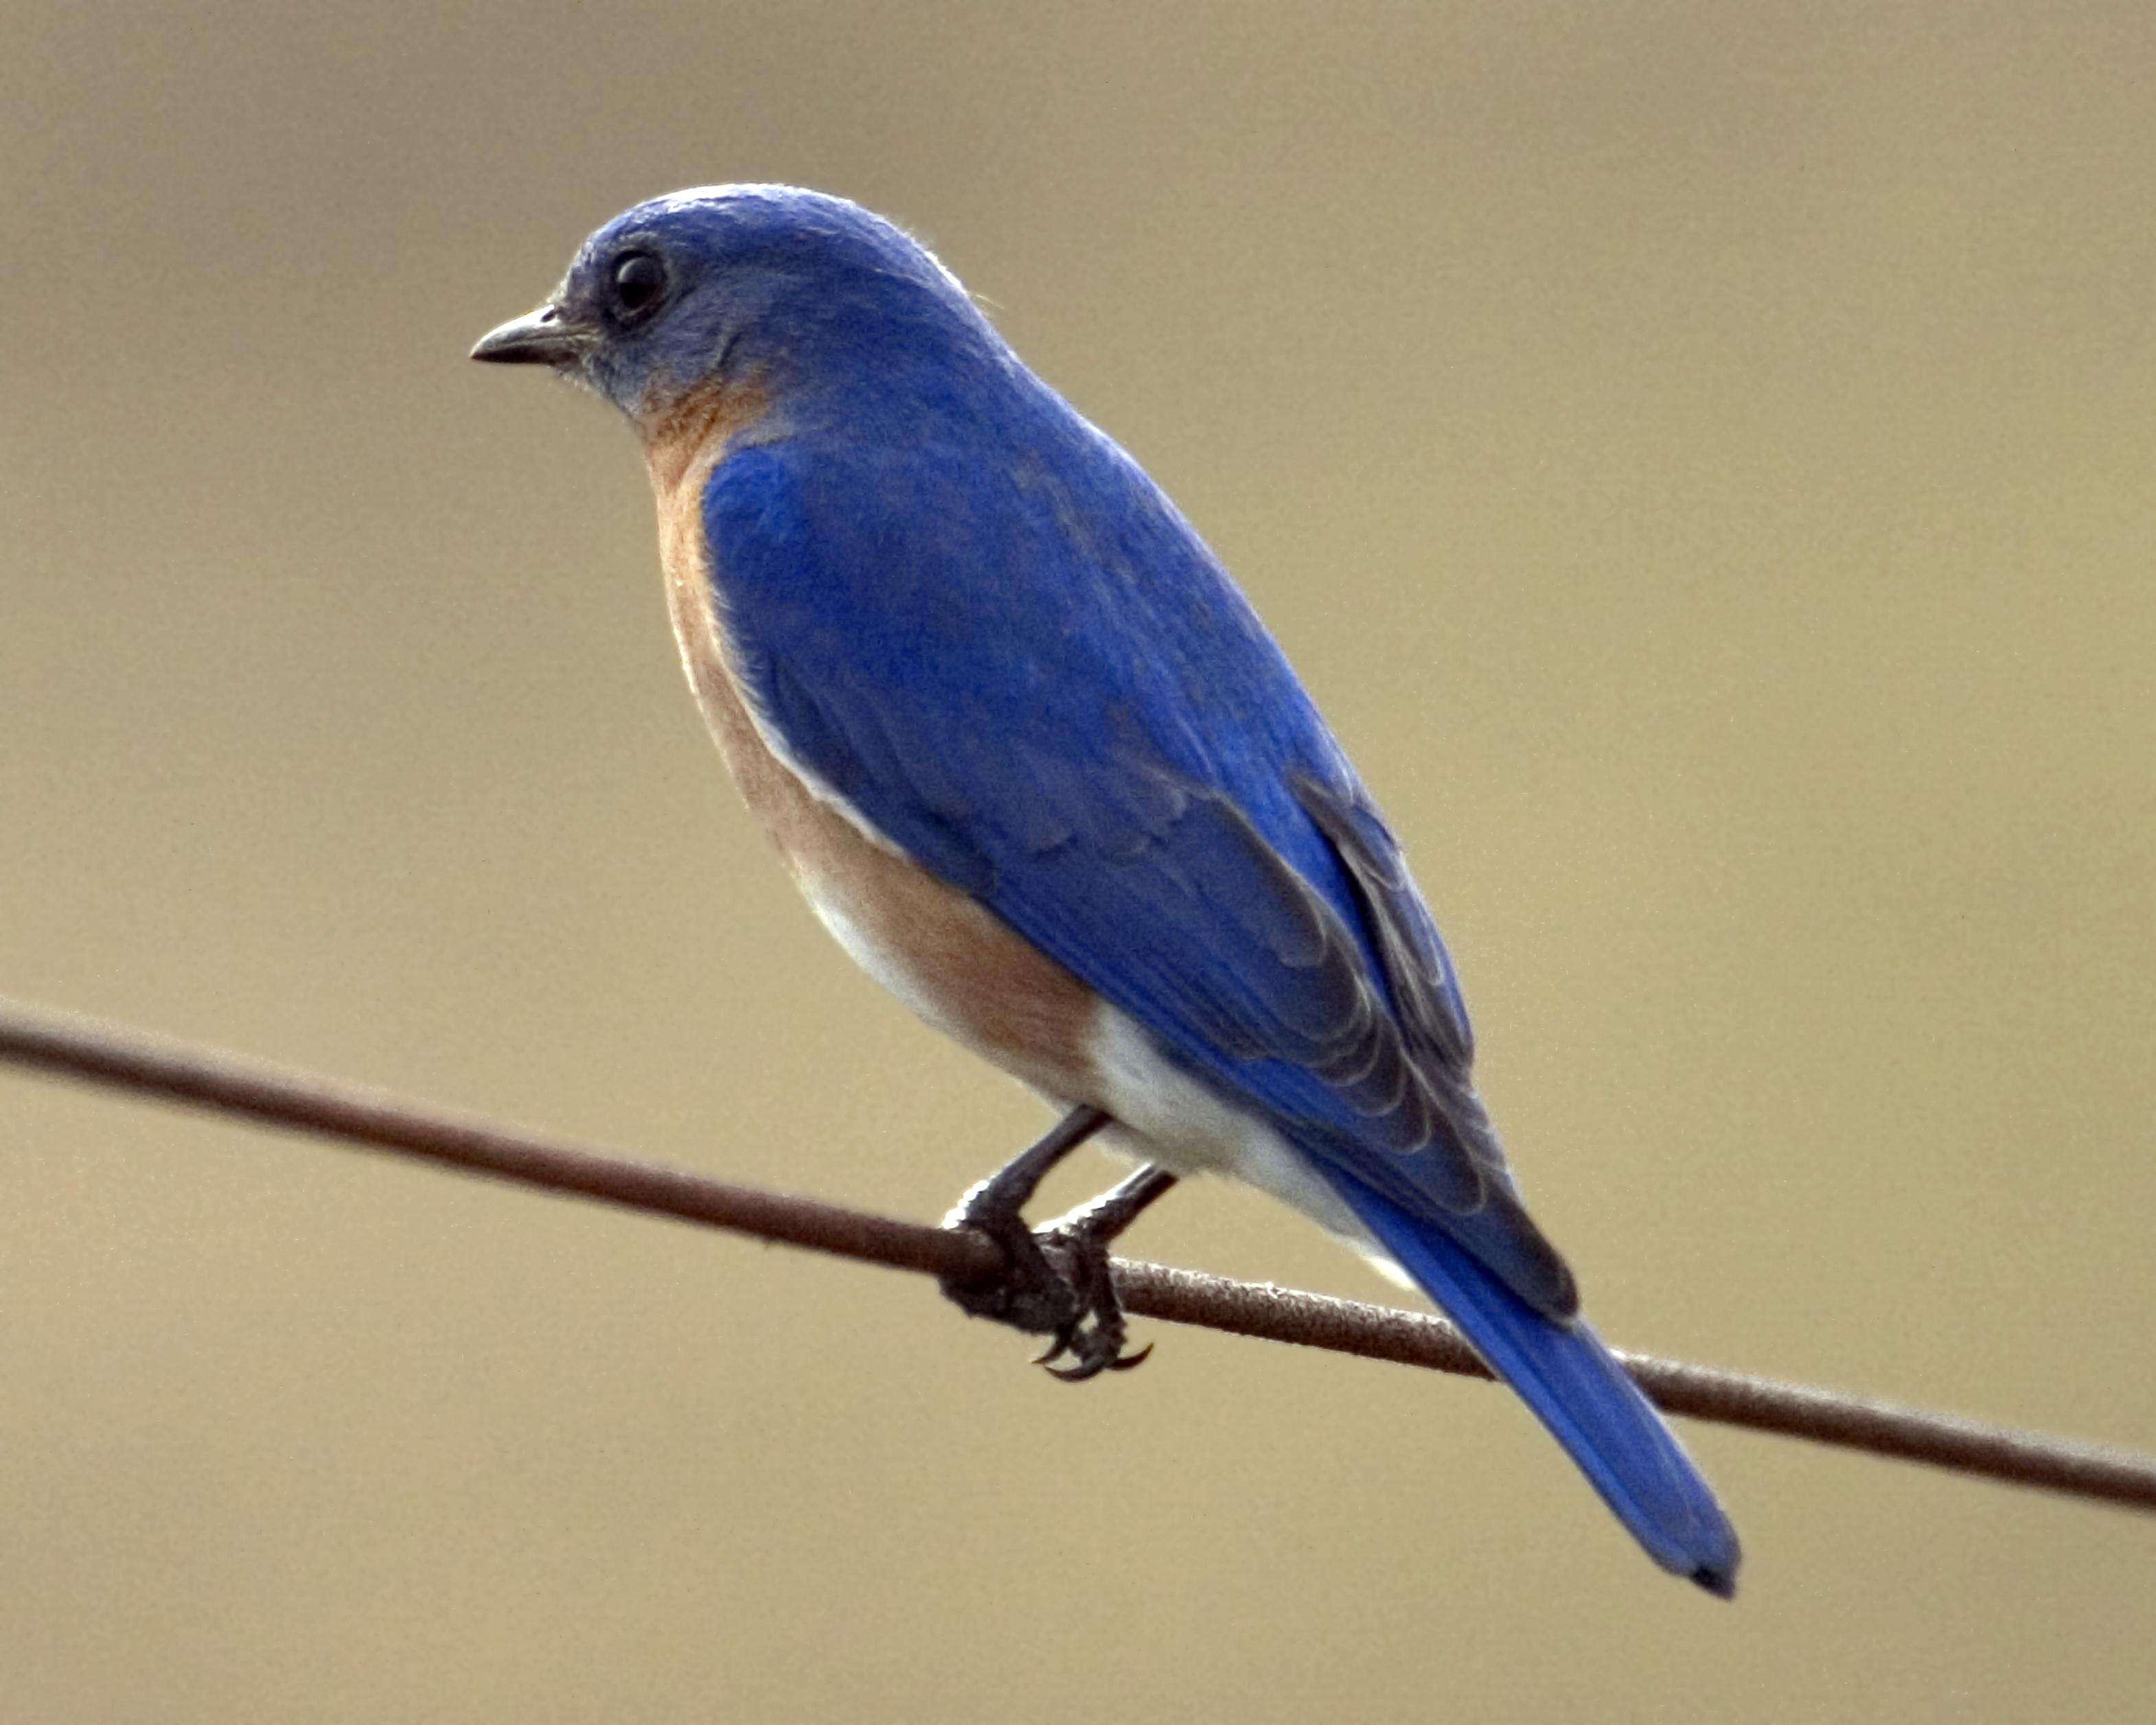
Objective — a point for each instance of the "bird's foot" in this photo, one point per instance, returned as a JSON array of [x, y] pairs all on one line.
[[1094, 1339], [1027, 1291], [1056, 1282]]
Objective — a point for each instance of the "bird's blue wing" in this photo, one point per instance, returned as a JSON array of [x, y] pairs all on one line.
[[1126, 771]]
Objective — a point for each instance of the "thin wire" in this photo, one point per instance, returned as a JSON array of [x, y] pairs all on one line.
[[120, 1057]]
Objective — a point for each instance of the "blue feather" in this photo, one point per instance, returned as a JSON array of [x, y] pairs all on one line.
[[1576, 1388]]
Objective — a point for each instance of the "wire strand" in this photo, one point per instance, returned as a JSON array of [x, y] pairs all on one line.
[[120, 1057]]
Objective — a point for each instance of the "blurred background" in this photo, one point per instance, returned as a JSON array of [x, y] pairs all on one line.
[[1698, 454]]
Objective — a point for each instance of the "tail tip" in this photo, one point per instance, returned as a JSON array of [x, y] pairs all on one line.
[[1719, 1579]]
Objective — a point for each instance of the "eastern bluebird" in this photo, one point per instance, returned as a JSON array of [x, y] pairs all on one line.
[[1041, 771]]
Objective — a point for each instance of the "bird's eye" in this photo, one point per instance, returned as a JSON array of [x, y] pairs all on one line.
[[639, 279]]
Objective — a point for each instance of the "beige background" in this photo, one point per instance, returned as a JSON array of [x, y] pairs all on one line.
[[1700, 455]]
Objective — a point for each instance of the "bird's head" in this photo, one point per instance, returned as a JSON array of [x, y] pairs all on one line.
[[787, 292]]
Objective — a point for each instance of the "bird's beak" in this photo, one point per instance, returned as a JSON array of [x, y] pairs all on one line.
[[538, 338]]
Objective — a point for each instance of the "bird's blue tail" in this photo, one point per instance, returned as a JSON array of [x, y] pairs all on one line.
[[1576, 1388]]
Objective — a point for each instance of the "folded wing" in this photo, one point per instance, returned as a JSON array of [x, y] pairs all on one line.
[[1197, 851]]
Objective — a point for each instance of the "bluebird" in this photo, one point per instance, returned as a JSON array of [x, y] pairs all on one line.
[[1040, 769]]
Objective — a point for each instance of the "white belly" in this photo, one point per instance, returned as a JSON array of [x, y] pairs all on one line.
[[1165, 1115]]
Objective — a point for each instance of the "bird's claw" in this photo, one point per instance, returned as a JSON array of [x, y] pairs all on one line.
[[1093, 1360], [1055, 1283], [1094, 1339]]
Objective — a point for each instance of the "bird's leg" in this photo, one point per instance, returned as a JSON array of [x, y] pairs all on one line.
[[1069, 1296], [1028, 1292], [1095, 1340]]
